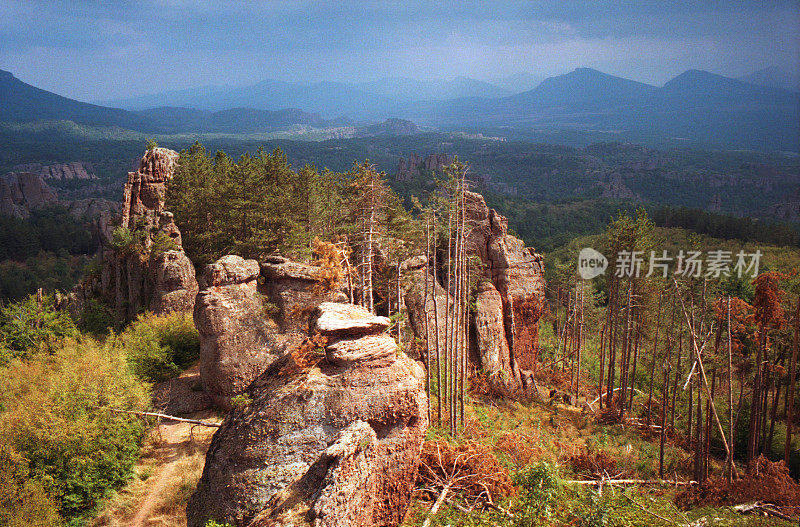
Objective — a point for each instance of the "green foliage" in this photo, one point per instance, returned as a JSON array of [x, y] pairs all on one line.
[[127, 241], [540, 487], [159, 347], [96, 318], [48, 271], [214, 523], [59, 443], [151, 144], [241, 401], [51, 229], [162, 243], [28, 326]]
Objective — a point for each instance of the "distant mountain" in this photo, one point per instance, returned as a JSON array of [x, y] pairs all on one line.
[[367, 100], [233, 121], [415, 90], [22, 102], [519, 82], [330, 99], [774, 77], [174, 98], [585, 88]]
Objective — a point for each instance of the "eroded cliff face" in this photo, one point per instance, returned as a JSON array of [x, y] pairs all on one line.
[[509, 301], [331, 435], [21, 192], [141, 275]]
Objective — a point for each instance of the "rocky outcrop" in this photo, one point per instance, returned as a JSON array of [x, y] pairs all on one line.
[[59, 171], [509, 301], [326, 440], [140, 274], [21, 192], [516, 273], [145, 190], [249, 316], [236, 335], [409, 169]]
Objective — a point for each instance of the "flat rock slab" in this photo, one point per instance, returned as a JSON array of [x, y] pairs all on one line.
[[339, 320], [370, 348]]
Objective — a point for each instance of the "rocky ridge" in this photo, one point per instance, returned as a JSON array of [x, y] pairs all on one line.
[[21, 192]]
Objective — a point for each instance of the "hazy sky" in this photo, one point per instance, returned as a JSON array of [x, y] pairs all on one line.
[[94, 50]]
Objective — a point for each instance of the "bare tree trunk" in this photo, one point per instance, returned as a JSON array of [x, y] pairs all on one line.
[[752, 438], [436, 330], [729, 457], [775, 400], [626, 352], [425, 314], [790, 393], [698, 442], [613, 345], [653, 360], [665, 392], [635, 359], [678, 373]]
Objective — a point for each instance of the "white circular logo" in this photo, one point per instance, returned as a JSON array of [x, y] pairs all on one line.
[[591, 263]]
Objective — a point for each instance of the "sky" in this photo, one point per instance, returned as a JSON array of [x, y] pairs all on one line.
[[99, 50]]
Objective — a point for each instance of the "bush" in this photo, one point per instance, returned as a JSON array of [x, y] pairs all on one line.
[[59, 444], [29, 326], [127, 241], [159, 347], [540, 487]]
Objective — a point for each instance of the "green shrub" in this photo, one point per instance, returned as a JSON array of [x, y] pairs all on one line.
[[126, 241], [159, 347], [162, 243], [62, 447], [29, 326], [540, 487], [96, 318]]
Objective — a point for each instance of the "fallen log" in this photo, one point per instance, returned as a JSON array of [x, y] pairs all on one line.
[[760, 506], [165, 416], [437, 504], [627, 482]]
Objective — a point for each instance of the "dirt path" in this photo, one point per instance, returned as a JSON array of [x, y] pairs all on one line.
[[172, 460], [172, 437]]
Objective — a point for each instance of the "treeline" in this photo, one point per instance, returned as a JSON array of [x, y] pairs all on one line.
[[51, 229], [259, 204], [725, 226]]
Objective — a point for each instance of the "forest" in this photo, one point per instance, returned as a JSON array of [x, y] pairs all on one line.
[[685, 376]]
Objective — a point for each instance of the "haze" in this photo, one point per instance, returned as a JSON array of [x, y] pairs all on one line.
[[105, 50]]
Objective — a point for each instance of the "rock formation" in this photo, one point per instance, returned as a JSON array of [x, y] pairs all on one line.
[[59, 171], [150, 271], [510, 297], [21, 192], [329, 436], [411, 168], [245, 326]]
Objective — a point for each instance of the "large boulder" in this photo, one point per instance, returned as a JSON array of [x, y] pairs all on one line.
[[330, 441], [237, 337], [249, 315]]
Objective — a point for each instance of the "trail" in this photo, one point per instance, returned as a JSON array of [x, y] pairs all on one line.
[[172, 439], [173, 454]]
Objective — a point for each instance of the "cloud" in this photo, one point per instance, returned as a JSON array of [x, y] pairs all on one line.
[[95, 49]]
